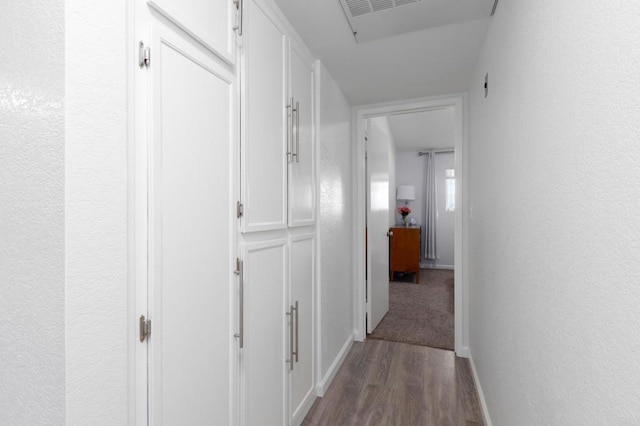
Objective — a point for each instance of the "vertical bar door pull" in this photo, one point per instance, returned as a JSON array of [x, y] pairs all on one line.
[[290, 132], [294, 112], [297, 331], [240, 274], [291, 325], [297, 132]]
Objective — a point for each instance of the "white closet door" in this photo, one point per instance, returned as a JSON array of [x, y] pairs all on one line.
[[191, 262], [209, 22], [301, 378], [264, 158], [263, 370], [302, 166]]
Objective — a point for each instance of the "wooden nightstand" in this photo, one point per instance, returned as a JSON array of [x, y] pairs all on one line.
[[404, 251]]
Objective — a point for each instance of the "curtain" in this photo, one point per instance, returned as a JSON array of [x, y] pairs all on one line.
[[430, 207]]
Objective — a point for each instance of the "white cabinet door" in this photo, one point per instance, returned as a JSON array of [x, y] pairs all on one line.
[[302, 162], [264, 369], [264, 117], [209, 22], [190, 237], [301, 371]]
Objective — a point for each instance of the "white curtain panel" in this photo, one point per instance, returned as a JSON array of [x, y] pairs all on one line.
[[430, 207]]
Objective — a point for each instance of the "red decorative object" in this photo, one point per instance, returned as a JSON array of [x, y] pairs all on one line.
[[403, 210]]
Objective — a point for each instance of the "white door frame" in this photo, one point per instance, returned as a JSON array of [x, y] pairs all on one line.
[[360, 113]]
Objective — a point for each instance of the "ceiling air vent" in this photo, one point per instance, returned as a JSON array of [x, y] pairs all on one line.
[[364, 7], [359, 7], [379, 5]]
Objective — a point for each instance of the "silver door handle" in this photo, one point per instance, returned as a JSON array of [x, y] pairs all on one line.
[[294, 136], [389, 233], [239, 272], [297, 330], [297, 132], [290, 112], [238, 26], [291, 332]]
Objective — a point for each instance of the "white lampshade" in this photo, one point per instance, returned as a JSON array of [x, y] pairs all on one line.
[[406, 192]]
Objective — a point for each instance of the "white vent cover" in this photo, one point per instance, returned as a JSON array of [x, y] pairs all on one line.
[[375, 19], [364, 7]]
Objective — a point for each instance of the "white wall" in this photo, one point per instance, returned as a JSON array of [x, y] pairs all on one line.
[[96, 212], [554, 229], [32, 370], [334, 224], [411, 170]]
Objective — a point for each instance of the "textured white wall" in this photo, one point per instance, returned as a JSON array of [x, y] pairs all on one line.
[[554, 231], [334, 220], [96, 212], [410, 171], [32, 371]]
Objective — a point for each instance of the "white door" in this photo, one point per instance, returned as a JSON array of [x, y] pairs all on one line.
[[302, 159], [191, 234], [377, 226], [263, 354], [264, 118], [301, 347], [210, 23]]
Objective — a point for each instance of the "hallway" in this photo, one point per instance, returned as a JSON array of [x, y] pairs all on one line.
[[387, 383]]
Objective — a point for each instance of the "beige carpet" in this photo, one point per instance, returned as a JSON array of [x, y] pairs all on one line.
[[420, 314]]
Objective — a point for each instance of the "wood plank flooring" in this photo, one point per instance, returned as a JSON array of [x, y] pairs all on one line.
[[388, 383]]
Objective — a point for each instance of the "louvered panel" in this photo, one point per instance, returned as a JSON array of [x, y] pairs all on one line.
[[359, 7], [378, 5], [403, 2]]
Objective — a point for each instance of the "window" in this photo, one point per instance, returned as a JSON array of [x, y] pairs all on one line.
[[451, 190]]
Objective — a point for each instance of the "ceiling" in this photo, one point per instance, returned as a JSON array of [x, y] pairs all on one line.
[[401, 65], [420, 131]]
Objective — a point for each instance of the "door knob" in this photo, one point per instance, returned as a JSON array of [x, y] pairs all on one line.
[[389, 233]]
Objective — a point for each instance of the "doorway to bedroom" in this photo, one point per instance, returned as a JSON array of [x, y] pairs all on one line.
[[411, 210]]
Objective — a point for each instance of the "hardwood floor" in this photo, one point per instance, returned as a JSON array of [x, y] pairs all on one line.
[[388, 383]]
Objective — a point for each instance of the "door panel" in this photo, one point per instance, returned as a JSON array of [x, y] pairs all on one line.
[[264, 358], [264, 160], [210, 22], [302, 166], [190, 348], [302, 291], [377, 225]]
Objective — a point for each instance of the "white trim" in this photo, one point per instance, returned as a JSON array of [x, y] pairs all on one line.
[[428, 266], [182, 21], [317, 89], [359, 114], [139, 90], [324, 384], [483, 402]]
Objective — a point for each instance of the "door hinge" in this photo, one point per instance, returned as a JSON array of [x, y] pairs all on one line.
[[240, 209], [145, 328], [238, 266], [144, 55]]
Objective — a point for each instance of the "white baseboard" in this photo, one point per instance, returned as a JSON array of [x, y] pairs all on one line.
[[463, 352], [483, 403], [436, 266], [303, 410], [324, 384]]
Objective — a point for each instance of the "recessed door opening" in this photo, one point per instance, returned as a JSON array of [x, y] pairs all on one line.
[[412, 187]]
